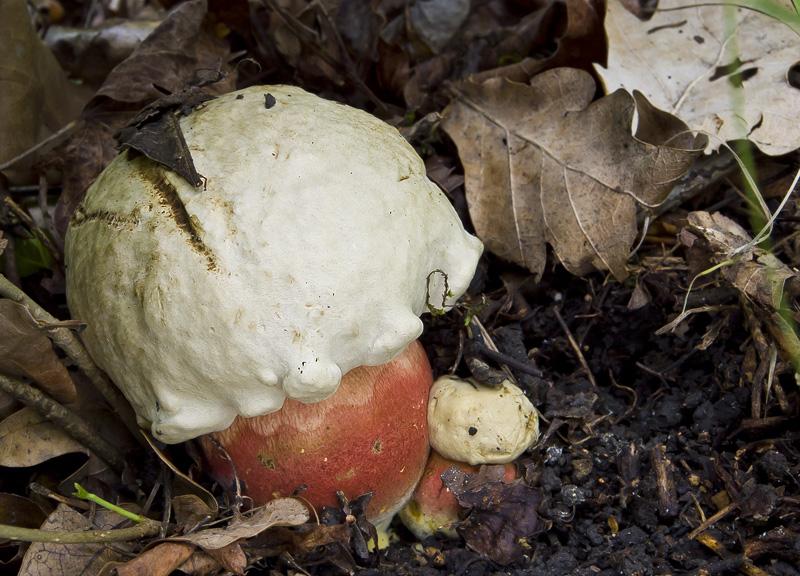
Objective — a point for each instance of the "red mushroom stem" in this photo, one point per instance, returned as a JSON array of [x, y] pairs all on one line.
[[433, 507], [370, 436]]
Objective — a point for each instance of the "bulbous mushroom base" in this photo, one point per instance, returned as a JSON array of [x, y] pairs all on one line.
[[371, 436]]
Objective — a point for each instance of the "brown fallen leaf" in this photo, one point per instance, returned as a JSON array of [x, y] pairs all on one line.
[[46, 559], [36, 97], [230, 557], [19, 511], [280, 512], [177, 48], [26, 351], [580, 41], [221, 544], [545, 164], [732, 95], [190, 511], [91, 53], [161, 560], [502, 513]]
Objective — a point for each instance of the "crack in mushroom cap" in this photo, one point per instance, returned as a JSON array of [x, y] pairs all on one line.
[[314, 246]]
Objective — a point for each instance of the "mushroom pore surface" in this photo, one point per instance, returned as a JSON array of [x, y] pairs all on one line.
[[312, 248]]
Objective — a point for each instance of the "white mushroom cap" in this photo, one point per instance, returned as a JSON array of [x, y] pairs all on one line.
[[478, 424], [313, 247]]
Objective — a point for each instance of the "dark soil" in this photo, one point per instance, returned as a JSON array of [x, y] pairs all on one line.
[[659, 466], [670, 454]]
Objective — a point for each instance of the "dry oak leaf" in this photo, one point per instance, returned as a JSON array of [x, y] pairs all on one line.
[[732, 96], [544, 163]]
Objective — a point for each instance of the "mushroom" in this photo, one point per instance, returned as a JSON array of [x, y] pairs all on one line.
[[478, 424], [312, 247], [369, 437], [433, 507]]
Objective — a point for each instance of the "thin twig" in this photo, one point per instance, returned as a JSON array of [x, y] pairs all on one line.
[[69, 343], [49, 224], [137, 532], [52, 139], [713, 520], [575, 347], [67, 420], [488, 344], [25, 218]]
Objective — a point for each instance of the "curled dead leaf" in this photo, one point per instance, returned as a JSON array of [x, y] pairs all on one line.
[[45, 559], [502, 513], [545, 164], [280, 512], [761, 277], [26, 351]]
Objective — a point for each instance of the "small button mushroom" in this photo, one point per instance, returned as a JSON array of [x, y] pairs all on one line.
[[370, 436], [312, 247], [432, 507], [477, 424]]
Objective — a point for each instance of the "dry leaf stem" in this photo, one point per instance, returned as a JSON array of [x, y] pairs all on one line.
[[67, 341], [80, 429], [137, 532]]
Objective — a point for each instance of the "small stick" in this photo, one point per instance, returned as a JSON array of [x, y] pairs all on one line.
[[25, 218], [489, 345], [575, 347], [713, 520], [70, 344], [667, 496], [136, 532]]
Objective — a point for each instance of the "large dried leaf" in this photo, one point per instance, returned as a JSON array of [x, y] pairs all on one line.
[[91, 53], [280, 512], [166, 58], [19, 511], [46, 559], [28, 439], [25, 350], [160, 560], [222, 544], [544, 164], [35, 96], [702, 80]]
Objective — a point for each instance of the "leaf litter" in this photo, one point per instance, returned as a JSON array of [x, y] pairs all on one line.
[[545, 163], [641, 422], [720, 58]]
